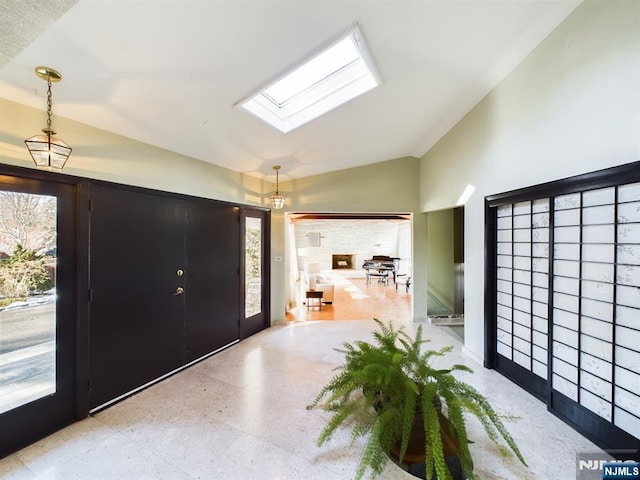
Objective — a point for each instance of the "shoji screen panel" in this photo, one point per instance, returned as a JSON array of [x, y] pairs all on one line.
[[522, 284], [504, 282], [583, 297], [540, 284], [563, 298], [626, 394]]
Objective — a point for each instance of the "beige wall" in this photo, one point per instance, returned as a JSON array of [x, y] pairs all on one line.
[[440, 241], [100, 155], [571, 107], [391, 186]]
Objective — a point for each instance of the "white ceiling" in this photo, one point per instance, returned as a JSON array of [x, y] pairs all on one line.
[[168, 72]]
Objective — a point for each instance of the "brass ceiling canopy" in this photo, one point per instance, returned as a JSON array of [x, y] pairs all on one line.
[[49, 74]]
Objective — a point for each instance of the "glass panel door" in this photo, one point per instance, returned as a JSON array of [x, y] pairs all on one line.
[[37, 308], [255, 223], [27, 298], [253, 266]]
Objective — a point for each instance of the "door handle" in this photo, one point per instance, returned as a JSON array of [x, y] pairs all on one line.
[[179, 291]]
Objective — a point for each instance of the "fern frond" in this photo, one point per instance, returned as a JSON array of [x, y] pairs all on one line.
[[456, 421], [477, 404], [383, 384], [433, 441]]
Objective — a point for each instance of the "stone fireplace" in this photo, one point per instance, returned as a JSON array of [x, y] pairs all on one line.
[[343, 261]]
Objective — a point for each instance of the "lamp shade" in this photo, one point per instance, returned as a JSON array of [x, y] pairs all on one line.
[[313, 267], [48, 151], [277, 201]]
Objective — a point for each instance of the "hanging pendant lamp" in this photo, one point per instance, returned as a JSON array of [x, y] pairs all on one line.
[[277, 200], [46, 150]]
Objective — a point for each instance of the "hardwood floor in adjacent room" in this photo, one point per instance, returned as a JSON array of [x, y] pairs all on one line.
[[354, 299]]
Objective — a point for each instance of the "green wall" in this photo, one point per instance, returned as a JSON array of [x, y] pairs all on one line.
[[440, 245]]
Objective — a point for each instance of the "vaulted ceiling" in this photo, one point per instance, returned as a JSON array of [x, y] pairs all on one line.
[[168, 72]]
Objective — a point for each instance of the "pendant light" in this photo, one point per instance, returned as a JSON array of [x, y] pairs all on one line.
[[277, 200], [46, 150]]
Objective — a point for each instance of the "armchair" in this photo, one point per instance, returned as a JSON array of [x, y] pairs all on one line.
[[327, 290], [318, 282]]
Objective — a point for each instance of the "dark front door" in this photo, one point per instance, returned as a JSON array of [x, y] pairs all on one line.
[[136, 311], [212, 275], [37, 325], [164, 286]]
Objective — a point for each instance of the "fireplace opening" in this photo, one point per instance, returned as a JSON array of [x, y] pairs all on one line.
[[343, 261]]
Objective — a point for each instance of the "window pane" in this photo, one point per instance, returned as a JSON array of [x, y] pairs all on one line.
[[253, 266], [28, 297]]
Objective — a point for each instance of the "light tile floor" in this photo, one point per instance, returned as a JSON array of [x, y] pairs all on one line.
[[241, 415]]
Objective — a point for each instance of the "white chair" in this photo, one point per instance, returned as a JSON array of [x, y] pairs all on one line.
[[327, 290], [403, 279], [319, 282]]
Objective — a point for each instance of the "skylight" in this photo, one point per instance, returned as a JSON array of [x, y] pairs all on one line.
[[334, 76]]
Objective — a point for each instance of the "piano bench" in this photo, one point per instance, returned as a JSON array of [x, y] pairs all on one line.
[[383, 277]]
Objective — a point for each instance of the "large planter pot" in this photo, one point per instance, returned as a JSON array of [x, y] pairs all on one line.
[[415, 448], [415, 455], [419, 470]]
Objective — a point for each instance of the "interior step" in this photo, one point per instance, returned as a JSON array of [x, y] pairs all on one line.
[[447, 320]]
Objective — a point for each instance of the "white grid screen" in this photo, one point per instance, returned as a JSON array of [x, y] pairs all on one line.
[[594, 291]]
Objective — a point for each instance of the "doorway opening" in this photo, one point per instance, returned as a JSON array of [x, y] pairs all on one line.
[[445, 270], [326, 252]]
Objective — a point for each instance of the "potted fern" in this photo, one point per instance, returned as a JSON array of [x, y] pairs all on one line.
[[389, 390]]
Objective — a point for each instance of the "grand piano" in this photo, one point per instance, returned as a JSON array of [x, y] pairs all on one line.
[[381, 266]]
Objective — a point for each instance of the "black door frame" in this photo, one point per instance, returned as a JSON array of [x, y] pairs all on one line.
[[71, 280], [263, 319]]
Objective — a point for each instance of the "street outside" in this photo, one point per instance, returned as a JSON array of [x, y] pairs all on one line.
[[27, 351]]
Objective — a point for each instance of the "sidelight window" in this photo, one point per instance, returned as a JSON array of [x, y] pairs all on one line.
[[27, 297], [253, 266]]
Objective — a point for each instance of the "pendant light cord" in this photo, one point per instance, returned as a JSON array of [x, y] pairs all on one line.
[[49, 105]]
